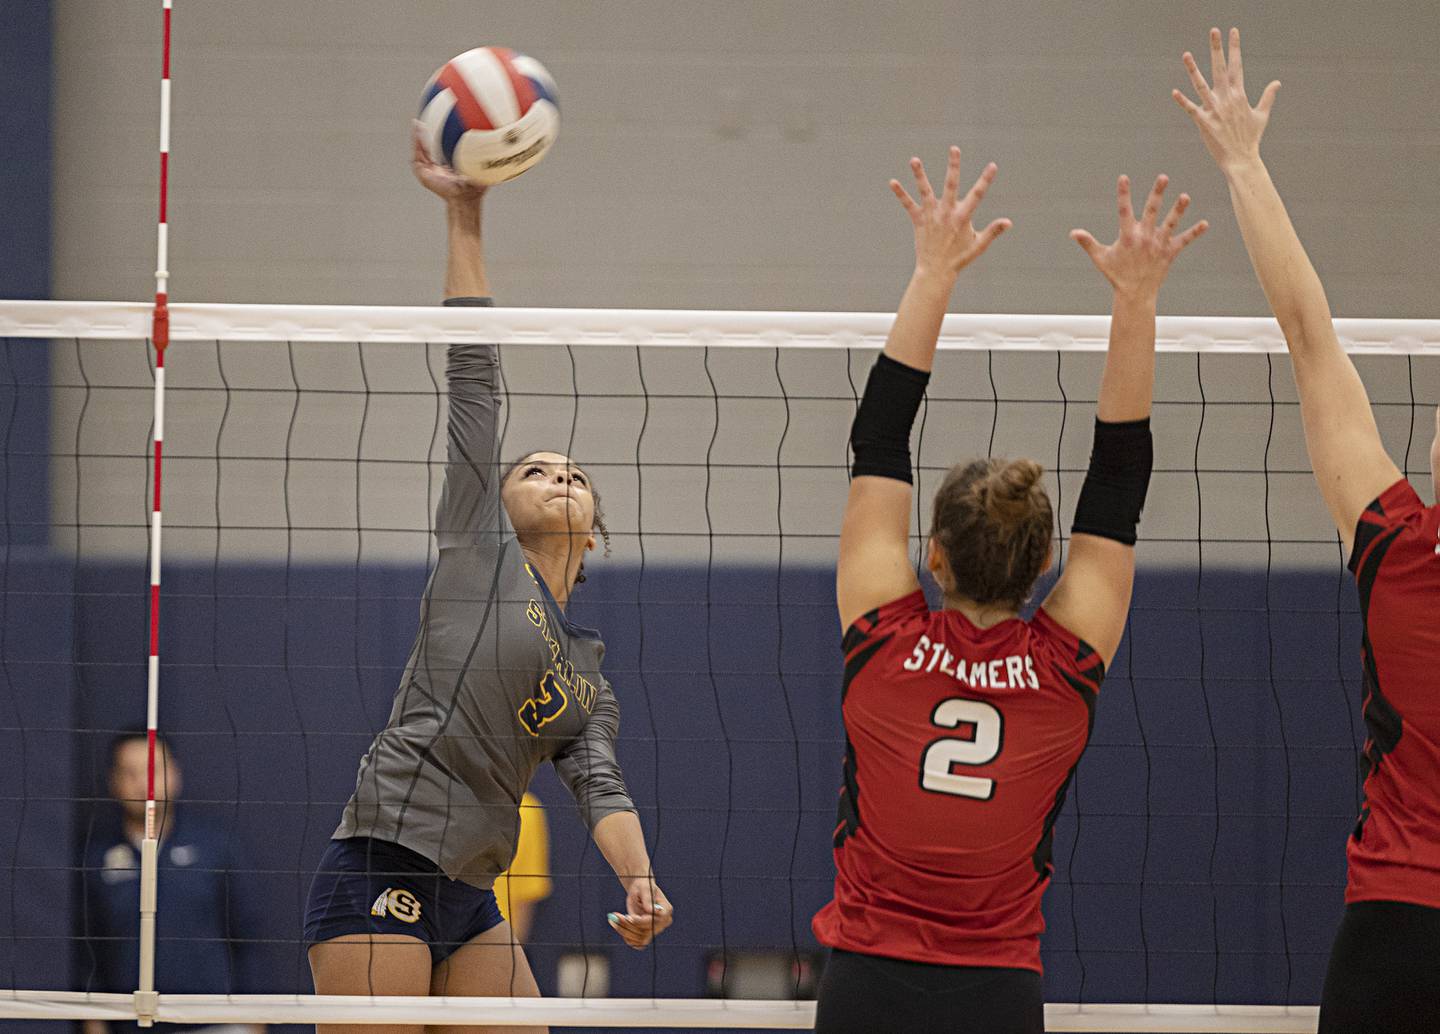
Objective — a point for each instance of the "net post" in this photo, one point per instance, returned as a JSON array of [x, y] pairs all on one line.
[[146, 999]]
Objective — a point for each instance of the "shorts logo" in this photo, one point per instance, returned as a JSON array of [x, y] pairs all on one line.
[[397, 903]]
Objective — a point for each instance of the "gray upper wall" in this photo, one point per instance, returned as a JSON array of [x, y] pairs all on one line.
[[730, 154]]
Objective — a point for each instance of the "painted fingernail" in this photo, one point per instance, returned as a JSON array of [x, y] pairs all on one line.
[[613, 919]]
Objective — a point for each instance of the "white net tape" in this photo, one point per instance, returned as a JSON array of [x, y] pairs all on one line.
[[616, 1012], [658, 327]]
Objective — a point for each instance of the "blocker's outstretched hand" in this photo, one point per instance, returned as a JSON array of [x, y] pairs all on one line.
[[1230, 127], [945, 237], [439, 179], [1136, 264]]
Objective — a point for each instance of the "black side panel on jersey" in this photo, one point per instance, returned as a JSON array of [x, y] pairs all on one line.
[[1383, 722], [854, 664], [847, 812], [847, 815], [1366, 532], [1091, 671], [856, 633]]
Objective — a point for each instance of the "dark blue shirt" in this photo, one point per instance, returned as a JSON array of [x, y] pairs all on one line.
[[202, 922]]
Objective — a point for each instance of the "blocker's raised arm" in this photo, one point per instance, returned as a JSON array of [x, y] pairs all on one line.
[[1349, 460], [874, 566]]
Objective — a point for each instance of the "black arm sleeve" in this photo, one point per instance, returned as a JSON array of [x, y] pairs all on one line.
[[880, 435], [1117, 481]]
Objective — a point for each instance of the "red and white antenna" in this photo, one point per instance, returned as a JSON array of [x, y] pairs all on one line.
[[146, 999]]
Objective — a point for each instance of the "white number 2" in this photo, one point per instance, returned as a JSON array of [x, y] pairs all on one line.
[[980, 748]]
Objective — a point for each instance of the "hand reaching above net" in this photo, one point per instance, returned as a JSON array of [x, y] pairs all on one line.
[[945, 237], [1137, 262]]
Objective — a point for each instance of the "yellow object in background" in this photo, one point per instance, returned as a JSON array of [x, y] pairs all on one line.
[[527, 881]]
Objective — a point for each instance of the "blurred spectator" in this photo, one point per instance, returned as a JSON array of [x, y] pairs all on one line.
[[203, 915], [526, 883]]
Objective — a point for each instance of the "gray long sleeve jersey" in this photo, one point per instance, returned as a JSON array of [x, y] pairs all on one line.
[[498, 680]]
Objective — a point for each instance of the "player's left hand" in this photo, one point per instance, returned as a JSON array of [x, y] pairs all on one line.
[[1137, 262], [648, 913]]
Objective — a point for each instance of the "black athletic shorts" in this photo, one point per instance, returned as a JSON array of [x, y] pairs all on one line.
[[1384, 975], [867, 994], [375, 886]]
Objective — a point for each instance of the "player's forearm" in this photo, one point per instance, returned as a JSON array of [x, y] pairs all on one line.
[[622, 842], [1128, 383], [465, 257], [917, 322], [1290, 282]]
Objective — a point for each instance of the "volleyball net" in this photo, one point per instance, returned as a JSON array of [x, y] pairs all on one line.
[[1200, 853]]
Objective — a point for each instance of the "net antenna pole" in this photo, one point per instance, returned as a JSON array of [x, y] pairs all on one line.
[[146, 1000]]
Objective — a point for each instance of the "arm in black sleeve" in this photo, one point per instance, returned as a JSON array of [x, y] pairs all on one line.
[[880, 435], [1116, 483]]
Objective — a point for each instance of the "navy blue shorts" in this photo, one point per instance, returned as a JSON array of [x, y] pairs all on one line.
[[375, 886]]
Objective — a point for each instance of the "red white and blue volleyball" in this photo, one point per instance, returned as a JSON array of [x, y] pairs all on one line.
[[490, 114]]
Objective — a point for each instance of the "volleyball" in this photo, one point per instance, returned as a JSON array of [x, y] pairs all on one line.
[[490, 114]]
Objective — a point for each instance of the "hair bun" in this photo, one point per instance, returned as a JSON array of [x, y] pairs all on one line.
[[1008, 491]]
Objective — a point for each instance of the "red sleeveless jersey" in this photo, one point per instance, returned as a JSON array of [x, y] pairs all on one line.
[[1394, 852], [960, 745]]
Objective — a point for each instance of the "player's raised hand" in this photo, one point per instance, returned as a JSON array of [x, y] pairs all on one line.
[[1137, 262], [436, 178], [945, 237], [648, 913], [1230, 127]]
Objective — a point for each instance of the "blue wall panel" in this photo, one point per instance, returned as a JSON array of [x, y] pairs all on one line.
[[36, 747], [25, 157]]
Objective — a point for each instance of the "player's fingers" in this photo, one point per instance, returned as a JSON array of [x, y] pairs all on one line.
[[1237, 69], [952, 175], [1172, 220], [1218, 72], [636, 931], [1087, 242], [1152, 203], [1186, 104], [922, 181], [1191, 235], [1267, 99], [982, 185], [906, 201], [1122, 202], [1202, 88], [986, 237]]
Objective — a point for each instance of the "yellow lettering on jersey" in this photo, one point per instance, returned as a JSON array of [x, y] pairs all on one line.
[[549, 704], [585, 692], [544, 707]]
